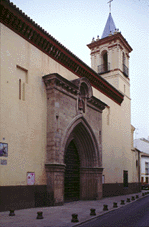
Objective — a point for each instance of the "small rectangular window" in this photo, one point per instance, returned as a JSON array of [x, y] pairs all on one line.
[[22, 75], [142, 179], [125, 178], [19, 88], [136, 163], [23, 91], [146, 168]]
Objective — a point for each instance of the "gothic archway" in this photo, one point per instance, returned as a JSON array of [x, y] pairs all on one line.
[[81, 144]]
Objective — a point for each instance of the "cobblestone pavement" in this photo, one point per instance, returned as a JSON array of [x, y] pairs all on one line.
[[62, 215]]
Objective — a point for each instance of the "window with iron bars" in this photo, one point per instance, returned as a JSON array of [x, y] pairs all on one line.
[[147, 168]]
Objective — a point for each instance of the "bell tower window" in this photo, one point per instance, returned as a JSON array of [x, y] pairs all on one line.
[[105, 66], [123, 58], [125, 68], [105, 61]]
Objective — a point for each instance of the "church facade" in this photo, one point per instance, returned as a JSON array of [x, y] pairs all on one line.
[[65, 129]]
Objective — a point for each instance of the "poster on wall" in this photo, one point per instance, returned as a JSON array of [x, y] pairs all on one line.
[[30, 178], [3, 149]]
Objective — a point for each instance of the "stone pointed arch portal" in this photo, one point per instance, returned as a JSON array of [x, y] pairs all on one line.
[[74, 121], [81, 134]]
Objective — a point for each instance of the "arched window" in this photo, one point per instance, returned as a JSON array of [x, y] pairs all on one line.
[[124, 67], [105, 62], [83, 90], [104, 67], [123, 58]]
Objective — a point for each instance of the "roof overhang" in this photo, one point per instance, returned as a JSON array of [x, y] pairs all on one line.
[[16, 20]]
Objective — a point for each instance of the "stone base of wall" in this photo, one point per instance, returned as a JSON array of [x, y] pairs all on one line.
[[119, 189], [21, 197]]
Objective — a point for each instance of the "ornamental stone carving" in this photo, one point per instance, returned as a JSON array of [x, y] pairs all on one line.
[[73, 117]]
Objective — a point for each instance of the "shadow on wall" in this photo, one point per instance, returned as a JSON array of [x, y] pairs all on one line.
[[21, 197], [119, 189]]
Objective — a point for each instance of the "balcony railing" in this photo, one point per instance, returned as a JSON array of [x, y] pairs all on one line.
[[125, 70], [104, 68]]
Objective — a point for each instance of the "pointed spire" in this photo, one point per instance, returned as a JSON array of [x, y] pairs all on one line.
[[109, 27]]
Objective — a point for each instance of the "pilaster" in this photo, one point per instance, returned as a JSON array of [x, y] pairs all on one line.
[[55, 183]]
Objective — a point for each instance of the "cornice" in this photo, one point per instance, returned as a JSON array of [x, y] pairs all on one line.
[[115, 45], [21, 24], [55, 80], [115, 37], [96, 103]]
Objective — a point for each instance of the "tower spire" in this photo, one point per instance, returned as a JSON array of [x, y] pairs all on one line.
[[110, 5], [109, 27]]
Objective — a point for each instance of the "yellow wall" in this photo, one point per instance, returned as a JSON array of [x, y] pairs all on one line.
[[116, 140], [23, 122]]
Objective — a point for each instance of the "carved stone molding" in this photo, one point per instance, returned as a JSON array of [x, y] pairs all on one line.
[[55, 80], [96, 103]]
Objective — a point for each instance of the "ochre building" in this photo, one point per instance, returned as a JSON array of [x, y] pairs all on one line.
[[65, 130]]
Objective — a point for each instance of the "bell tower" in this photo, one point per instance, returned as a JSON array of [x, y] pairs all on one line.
[[110, 57]]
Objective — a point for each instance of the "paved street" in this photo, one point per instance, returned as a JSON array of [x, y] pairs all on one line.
[[59, 216], [134, 214]]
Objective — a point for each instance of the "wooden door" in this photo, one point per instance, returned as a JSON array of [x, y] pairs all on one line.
[[72, 174]]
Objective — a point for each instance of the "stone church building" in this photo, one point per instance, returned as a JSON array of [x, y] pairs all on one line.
[[65, 128]]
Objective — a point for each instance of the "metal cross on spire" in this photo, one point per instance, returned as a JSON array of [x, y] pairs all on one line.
[[110, 5]]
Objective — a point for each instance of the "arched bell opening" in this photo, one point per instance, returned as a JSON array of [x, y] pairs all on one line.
[[105, 61]]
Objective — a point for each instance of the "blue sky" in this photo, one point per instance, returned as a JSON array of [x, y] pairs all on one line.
[[75, 22]]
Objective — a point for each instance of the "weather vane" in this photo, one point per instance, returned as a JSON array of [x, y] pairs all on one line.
[[110, 5]]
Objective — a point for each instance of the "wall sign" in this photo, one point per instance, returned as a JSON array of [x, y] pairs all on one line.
[[30, 178], [3, 162], [3, 149]]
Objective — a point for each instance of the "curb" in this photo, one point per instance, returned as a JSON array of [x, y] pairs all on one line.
[[112, 209]]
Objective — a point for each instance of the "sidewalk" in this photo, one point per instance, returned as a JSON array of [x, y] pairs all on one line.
[[62, 215]]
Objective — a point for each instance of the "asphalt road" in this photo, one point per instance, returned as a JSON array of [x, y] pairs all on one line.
[[134, 214]]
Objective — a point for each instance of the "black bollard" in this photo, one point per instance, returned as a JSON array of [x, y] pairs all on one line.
[[122, 202], [39, 215], [115, 205], [128, 200], [92, 213], [74, 218], [105, 207], [11, 213]]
